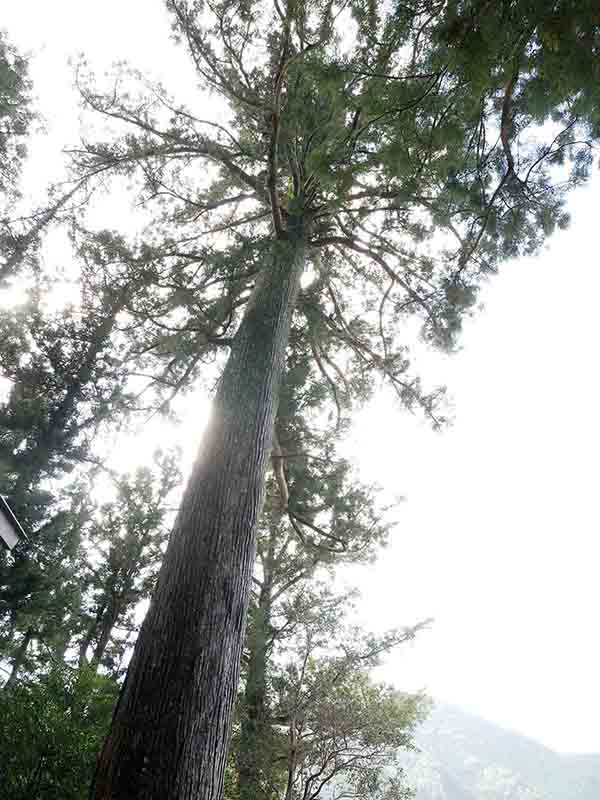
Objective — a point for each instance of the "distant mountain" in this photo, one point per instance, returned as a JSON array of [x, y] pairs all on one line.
[[462, 757]]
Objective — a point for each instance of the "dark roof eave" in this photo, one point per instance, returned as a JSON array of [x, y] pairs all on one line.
[[12, 520]]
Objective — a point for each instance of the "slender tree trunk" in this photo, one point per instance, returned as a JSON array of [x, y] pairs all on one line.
[[170, 732], [292, 751], [19, 658], [86, 642], [109, 620], [33, 784], [255, 750]]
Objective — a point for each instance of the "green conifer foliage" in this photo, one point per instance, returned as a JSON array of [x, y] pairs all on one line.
[[16, 116], [394, 155], [124, 543], [51, 728]]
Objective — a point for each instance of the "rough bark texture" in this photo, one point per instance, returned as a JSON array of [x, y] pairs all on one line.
[[170, 731]]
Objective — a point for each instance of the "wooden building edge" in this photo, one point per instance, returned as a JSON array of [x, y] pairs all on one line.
[[11, 529]]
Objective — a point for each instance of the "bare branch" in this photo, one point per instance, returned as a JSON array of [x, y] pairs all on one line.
[[361, 248], [328, 378]]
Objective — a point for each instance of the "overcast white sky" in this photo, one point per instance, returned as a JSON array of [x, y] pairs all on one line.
[[498, 540]]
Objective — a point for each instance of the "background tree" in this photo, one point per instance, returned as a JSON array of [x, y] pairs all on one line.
[[73, 595], [16, 117], [19, 232], [343, 731], [64, 382], [40, 591]]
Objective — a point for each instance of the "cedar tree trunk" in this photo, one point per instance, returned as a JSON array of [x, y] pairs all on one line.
[[170, 731], [255, 735]]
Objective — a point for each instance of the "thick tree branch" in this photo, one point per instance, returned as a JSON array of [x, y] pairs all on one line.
[[506, 120]]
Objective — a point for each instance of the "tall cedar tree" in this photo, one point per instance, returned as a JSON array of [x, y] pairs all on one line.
[[394, 154]]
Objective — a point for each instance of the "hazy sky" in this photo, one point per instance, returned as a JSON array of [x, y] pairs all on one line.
[[498, 539]]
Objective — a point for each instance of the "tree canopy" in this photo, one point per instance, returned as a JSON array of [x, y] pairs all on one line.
[[421, 158]]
